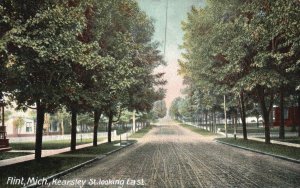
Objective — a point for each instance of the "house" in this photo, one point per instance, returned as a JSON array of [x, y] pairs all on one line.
[[291, 116], [26, 127], [20, 123]]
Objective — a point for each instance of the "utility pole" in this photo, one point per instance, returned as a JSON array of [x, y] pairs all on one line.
[[133, 121], [225, 116], [166, 28]]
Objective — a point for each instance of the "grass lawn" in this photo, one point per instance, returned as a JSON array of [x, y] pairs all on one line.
[[276, 149], [295, 140], [8, 155], [53, 164], [198, 130], [140, 133], [255, 130], [55, 144]]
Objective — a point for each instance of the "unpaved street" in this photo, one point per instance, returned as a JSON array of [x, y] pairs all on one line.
[[171, 156]]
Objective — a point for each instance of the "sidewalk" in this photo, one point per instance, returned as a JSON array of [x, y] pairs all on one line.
[[46, 153], [263, 140], [276, 142]]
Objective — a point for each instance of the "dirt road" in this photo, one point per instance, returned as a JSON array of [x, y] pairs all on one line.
[[171, 156]]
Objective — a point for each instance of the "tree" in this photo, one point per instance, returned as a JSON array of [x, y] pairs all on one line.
[[18, 123], [41, 43], [206, 37], [129, 82], [174, 108], [160, 109], [87, 56], [244, 46], [274, 40]]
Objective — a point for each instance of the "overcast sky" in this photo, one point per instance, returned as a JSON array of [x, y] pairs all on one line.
[[177, 12]]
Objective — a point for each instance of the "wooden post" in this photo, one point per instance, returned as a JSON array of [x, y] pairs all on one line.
[[225, 116], [3, 121]]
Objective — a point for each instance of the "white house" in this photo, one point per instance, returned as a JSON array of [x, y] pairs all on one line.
[[27, 128]]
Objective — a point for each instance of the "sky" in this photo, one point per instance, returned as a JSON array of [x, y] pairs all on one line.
[[177, 12]]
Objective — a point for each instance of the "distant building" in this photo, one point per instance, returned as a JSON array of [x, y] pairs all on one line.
[[28, 128], [291, 116]]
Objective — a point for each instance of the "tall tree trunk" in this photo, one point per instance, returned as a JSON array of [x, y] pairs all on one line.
[[267, 126], [265, 112], [235, 123], [214, 122], [205, 120], [110, 119], [73, 129], [40, 117], [299, 114], [225, 114], [243, 115], [281, 128], [97, 115]]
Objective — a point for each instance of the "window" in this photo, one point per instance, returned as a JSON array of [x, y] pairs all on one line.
[[28, 127]]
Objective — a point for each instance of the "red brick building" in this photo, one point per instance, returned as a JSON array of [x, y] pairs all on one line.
[[291, 116]]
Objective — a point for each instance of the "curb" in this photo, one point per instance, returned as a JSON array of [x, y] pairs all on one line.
[[100, 157], [261, 152]]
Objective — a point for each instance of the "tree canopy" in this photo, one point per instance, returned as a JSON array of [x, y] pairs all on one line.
[[87, 56], [243, 49]]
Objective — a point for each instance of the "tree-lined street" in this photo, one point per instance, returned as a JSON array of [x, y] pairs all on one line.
[[113, 67], [172, 156]]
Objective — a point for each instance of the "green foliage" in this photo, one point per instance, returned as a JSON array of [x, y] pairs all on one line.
[[94, 54], [159, 109], [183, 108], [18, 122], [41, 41], [174, 108], [234, 47], [84, 55]]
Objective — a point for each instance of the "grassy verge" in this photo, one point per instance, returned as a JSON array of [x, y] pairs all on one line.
[[275, 149], [294, 140], [53, 164], [140, 133], [121, 131], [56, 144], [256, 130], [8, 155], [198, 130]]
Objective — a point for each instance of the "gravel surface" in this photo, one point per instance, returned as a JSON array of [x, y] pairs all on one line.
[[172, 156]]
